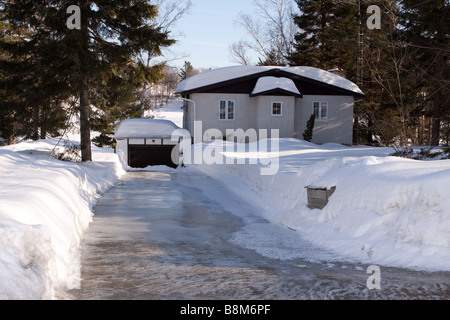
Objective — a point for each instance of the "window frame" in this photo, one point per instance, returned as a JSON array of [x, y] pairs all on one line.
[[227, 110], [272, 109], [323, 105]]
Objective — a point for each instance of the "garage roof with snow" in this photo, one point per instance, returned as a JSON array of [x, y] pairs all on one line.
[[145, 128]]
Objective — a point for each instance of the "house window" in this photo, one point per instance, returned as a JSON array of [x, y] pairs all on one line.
[[320, 110], [226, 111], [277, 109]]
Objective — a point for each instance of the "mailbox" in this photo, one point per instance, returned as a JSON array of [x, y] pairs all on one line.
[[318, 197]]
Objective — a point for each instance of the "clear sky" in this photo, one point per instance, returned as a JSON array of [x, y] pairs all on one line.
[[208, 31]]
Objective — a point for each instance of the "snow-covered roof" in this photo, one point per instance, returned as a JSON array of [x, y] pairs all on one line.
[[266, 84], [225, 74], [217, 76], [325, 77], [145, 128]]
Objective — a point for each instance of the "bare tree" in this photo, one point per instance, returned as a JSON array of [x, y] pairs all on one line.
[[278, 15], [387, 62], [169, 13], [239, 53], [271, 31]]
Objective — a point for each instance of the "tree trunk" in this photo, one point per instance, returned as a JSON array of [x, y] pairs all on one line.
[[436, 125], [11, 130], [143, 99], [85, 128], [43, 134], [35, 135], [12, 139], [44, 118]]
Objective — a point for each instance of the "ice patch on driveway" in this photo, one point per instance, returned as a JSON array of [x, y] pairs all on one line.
[[278, 242]]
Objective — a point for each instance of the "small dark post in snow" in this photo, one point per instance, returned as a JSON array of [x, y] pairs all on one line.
[[114, 145]]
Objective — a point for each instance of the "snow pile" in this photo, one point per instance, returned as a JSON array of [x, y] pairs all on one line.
[[45, 208], [386, 210]]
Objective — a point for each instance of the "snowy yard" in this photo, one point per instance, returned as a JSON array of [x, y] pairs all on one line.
[[385, 211]]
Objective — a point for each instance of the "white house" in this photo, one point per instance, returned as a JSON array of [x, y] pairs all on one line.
[[256, 97]]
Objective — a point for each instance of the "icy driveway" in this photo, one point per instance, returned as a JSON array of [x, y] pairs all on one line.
[[156, 237]]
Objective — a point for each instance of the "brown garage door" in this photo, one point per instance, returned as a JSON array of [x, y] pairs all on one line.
[[142, 156]]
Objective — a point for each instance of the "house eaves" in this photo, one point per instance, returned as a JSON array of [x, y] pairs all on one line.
[[277, 92], [210, 82], [350, 89], [214, 80]]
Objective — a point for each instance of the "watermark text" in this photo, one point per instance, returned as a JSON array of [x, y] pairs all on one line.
[[374, 281], [74, 21], [242, 147]]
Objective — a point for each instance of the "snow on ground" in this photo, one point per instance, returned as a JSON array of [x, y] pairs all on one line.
[[45, 208], [385, 211], [172, 111]]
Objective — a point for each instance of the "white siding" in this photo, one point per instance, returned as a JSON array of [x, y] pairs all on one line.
[[255, 113], [208, 111], [285, 122], [339, 126]]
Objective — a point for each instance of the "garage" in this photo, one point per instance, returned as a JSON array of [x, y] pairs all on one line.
[[147, 142]]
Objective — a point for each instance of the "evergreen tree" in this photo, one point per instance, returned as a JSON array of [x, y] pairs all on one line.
[[405, 73], [328, 31], [272, 60], [186, 71], [387, 81], [115, 101], [427, 29], [9, 101], [81, 62], [26, 109], [308, 134]]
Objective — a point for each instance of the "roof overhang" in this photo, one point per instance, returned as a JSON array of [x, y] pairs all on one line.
[[222, 77], [213, 83], [355, 92], [276, 92]]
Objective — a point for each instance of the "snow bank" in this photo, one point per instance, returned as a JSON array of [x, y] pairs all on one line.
[[45, 207], [386, 210]]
